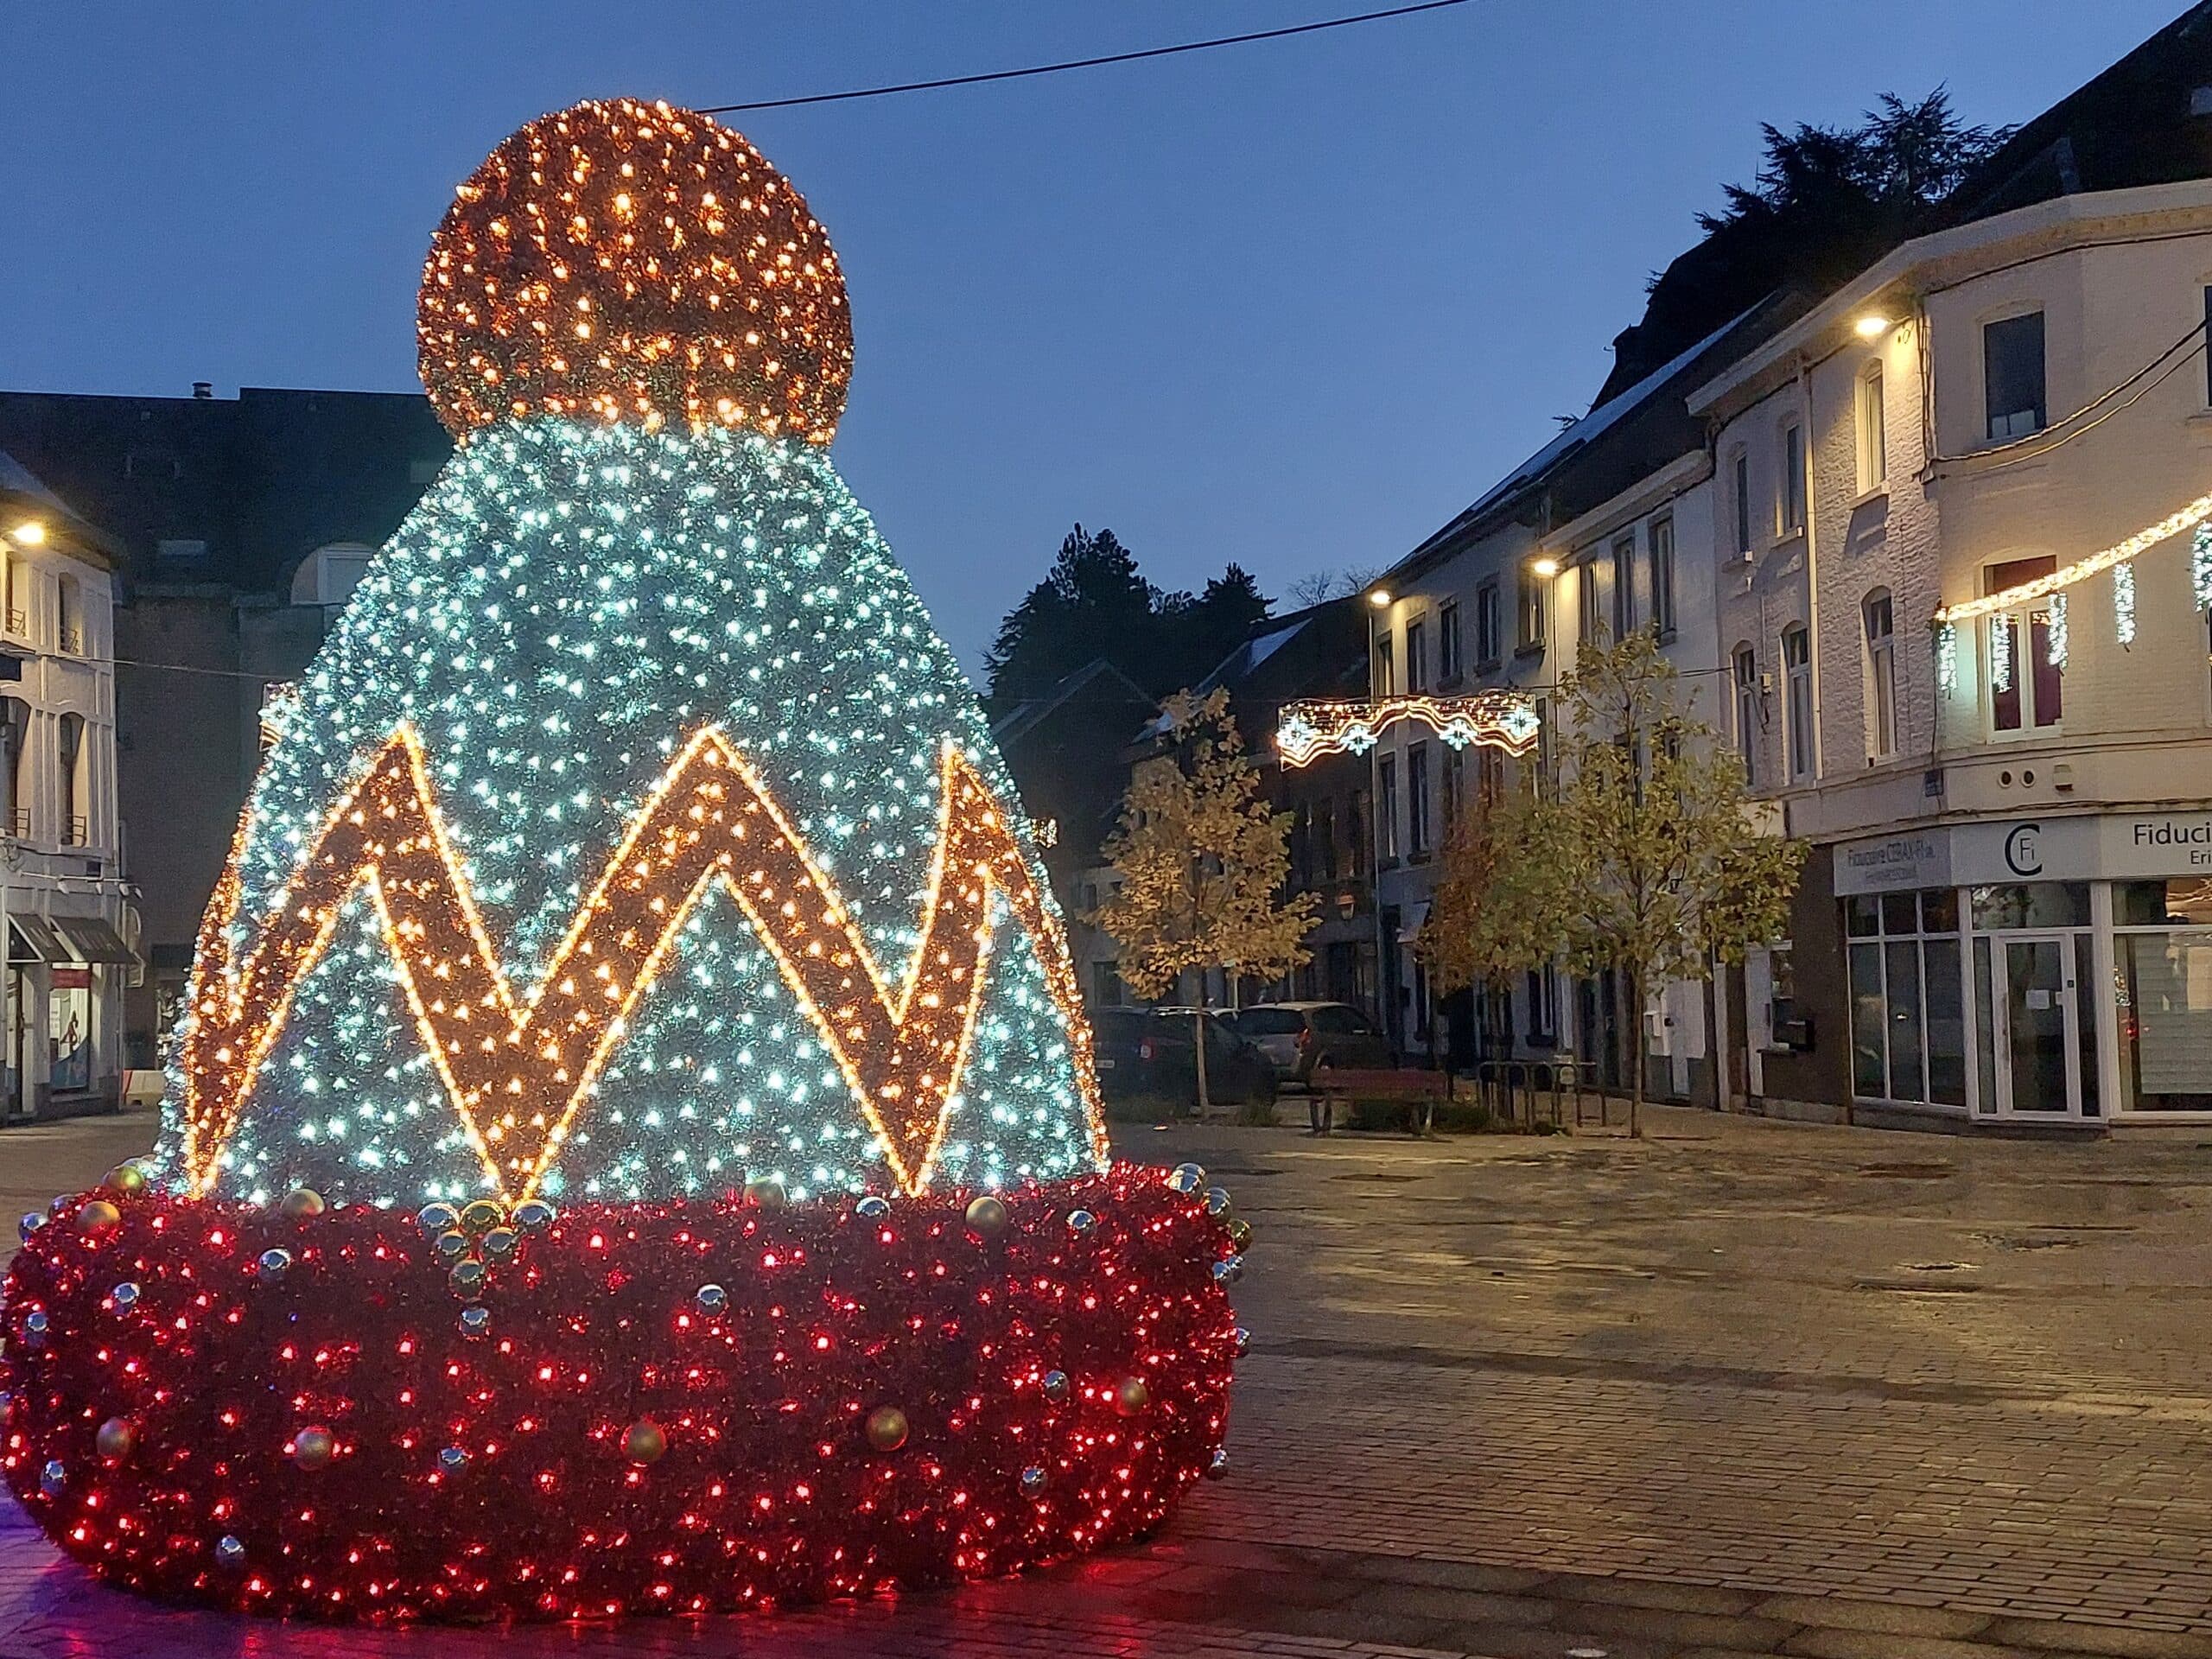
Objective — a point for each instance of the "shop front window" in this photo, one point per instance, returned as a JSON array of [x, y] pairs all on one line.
[[2162, 960], [69, 1030], [1908, 1023]]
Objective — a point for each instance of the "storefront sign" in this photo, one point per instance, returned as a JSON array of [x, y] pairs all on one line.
[[1996, 852]]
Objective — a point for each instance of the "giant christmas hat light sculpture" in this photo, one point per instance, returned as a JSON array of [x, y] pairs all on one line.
[[634, 1144]]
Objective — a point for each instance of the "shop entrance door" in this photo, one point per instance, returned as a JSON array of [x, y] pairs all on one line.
[[2037, 1040]]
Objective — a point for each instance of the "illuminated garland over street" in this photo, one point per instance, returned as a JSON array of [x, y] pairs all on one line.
[[2082, 570], [635, 1145], [1505, 719]]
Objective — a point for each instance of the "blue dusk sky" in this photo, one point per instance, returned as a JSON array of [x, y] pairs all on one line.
[[1292, 304]]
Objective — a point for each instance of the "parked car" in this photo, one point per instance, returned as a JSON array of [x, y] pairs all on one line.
[[1300, 1039], [1153, 1053]]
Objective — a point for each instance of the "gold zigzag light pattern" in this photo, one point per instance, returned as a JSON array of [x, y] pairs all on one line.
[[518, 1072], [1504, 719]]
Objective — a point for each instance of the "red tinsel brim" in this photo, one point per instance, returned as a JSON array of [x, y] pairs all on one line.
[[1057, 1387]]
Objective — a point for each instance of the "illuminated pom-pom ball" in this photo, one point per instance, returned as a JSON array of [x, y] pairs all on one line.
[[31, 1222], [1056, 1387], [1186, 1178], [712, 1299], [53, 1477], [640, 263], [1217, 1466], [116, 1437], [533, 1215], [767, 1193], [230, 1553], [436, 1218], [124, 1296], [468, 1279], [887, 1428], [1218, 1203], [97, 1217], [872, 1208], [475, 1321], [450, 1246], [1032, 1481], [500, 1245], [453, 1460], [127, 1179], [274, 1265], [1082, 1222], [1131, 1396], [645, 1441], [481, 1216], [35, 1325], [986, 1218], [313, 1447], [302, 1204]]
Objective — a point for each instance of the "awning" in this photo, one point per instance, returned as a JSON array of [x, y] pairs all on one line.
[[1410, 920], [29, 940], [91, 939]]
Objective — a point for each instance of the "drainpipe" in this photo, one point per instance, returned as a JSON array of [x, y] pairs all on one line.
[[1812, 574]]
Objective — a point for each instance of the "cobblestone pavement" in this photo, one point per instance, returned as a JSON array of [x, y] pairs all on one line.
[[1739, 1389]]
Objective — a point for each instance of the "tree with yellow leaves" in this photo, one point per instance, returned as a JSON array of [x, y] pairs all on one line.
[[1201, 861]]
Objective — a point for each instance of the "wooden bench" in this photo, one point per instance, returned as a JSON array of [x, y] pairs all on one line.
[[1418, 1092]]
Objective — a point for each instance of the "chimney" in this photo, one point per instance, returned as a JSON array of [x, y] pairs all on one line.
[[202, 390]]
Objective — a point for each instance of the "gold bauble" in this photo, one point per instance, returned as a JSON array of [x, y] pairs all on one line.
[[128, 1179], [645, 1442], [301, 1203], [768, 1193], [314, 1447], [620, 261], [98, 1215], [887, 1428], [987, 1217], [482, 1216], [117, 1436], [1131, 1397]]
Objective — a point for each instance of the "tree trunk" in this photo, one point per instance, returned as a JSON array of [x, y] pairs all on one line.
[[1715, 1058], [1198, 1023], [1632, 1045]]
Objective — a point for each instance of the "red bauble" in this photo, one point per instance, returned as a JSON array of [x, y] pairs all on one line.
[[500, 1474]]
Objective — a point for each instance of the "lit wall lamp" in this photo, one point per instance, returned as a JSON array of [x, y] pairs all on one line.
[[1545, 567], [1379, 598], [30, 533], [1873, 326]]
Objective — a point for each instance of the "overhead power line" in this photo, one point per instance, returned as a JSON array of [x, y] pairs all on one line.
[[1082, 63]]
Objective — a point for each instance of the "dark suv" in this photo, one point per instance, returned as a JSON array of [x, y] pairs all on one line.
[[1152, 1052], [1302, 1038]]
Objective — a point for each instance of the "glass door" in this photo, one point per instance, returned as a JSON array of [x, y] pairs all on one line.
[[2038, 1044]]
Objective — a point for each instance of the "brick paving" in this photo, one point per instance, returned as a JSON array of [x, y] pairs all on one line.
[[1742, 1388]]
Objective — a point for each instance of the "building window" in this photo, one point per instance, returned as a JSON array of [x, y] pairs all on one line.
[[16, 733], [1542, 780], [1490, 776], [1793, 479], [2162, 955], [1797, 694], [1325, 837], [1661, 539], [1624, 574], [1590, 616], [1386, 809], [2025, 686], [1386, 675], [1543, 1005], [2012, 377], [1742, 476], [1417, 800], [1455, 780], [1448, 665], [1416, 658], [1361, 829], [1747, 711], [1874, 433], [1908, 1021], [1490, 641], [1531, 621], [1105, 985], [69, 754], [69, 616], [1881, 676]]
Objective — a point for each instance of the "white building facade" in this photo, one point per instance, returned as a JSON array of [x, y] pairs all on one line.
[[65, 910]]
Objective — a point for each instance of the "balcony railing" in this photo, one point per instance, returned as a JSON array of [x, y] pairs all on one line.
[[76, 831], [18, 822], [73, 642]]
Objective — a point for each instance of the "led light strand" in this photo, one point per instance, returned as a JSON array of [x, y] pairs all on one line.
[[1946, 656], [1501, 719], [2200, 567], [2082, 570], [2001, 652], [2123, 603], [2055, 635], [517, 1073]]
